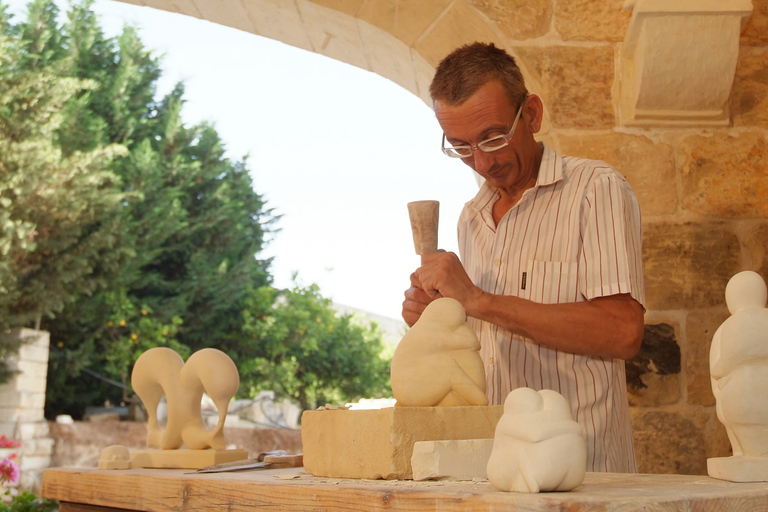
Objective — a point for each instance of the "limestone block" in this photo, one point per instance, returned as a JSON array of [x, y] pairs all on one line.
[[33, 430], [575, 83], [424, 73], [20, 415], [333, 34], [30, 384], [755, 32], [756, 243], [33, 368], [452, 460], [648, 166], [460, 24], [35, 462], [726, 176], [404, 20], [653, 376], [278, 20], [230, 14], [587, 20], [687, 265], [386, 56], [348, 7], [518, 19], [183, 458], [668, 442], [700, 326], [378, 444], [678, 61], [749, 101], [178, 6], [738, 469]]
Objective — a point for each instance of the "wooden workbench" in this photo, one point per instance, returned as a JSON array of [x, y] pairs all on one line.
[[293, 489]]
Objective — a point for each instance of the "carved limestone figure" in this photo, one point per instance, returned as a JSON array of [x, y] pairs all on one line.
[[161, 371], [738, 362], [437, 362], [537, 445]]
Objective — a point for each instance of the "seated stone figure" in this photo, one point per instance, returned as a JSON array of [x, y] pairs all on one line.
[[437, 362], [738, 362], [537, 445]]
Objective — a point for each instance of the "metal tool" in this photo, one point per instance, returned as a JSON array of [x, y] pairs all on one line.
[[272, 460]]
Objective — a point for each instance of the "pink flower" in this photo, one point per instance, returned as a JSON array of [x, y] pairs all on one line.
[[9, 471]]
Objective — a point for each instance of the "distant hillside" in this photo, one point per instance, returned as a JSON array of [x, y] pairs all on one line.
[[392, 329]]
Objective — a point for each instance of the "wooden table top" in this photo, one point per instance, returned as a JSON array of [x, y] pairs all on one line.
[[295, 490]]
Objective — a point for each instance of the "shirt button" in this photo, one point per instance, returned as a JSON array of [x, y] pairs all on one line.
[[490, 361], [496, 262]]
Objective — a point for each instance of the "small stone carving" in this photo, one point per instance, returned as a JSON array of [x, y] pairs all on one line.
[[437, 362], [115, 457], [161, 371], [738, 362], [537, 445]]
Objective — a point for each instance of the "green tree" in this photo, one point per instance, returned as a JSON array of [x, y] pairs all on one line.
[[302, 350], [60, 221]]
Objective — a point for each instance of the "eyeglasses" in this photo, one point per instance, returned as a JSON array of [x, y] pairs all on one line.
[[486, 146]]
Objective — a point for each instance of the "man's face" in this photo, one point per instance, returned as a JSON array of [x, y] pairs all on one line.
[[486, 114]]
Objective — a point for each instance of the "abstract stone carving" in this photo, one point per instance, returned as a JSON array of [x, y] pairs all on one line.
[[437, 362], [161, 371], [537, 445], [738, 363]]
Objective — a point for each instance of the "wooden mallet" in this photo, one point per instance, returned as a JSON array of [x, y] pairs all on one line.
[[424, 222]]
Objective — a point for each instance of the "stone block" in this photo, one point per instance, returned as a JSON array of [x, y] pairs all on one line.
[[726, 175], [348, 7], [460, 24], [687, 265], [755, 32], [386, 56], [378, 444], [33, 430], [756, 245], [700, 327], [233, 15], [668, 442], [30, 384], [33, 368], [278, 20], [452, 460], [749, 99], [35, 462], [333, 34], [517, 19], [575, 83], [648, 166], [587, 20], [407, 21]]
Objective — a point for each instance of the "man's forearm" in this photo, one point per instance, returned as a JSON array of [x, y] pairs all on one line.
[[607, 326]]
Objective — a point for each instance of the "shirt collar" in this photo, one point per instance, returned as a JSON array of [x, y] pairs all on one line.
[[551, 170]]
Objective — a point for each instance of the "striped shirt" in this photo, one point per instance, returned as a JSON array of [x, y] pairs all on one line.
[[572, 237]]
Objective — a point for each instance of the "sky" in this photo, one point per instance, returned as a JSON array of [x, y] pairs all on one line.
[[335, 150]]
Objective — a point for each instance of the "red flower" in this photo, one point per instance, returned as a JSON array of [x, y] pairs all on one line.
[[9, 471]]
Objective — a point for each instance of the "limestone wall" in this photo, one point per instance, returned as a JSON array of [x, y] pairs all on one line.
[[22, 403]]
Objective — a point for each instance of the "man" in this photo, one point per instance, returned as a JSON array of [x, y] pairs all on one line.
[[550, 273]]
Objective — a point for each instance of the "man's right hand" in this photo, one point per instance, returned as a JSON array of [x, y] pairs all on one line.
[[415, 301]]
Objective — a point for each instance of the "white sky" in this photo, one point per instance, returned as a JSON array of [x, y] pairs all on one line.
[[336, 150]]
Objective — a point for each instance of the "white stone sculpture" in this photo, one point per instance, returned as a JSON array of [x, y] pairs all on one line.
[[437, 362], [161, 371], [738, 363], [537, 445]]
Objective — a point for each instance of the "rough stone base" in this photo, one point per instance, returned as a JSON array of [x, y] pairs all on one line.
[[184, 459], [738, 469], [464, 459], [378, 444]]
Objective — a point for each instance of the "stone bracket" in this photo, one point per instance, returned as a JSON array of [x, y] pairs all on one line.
[[678, 61]]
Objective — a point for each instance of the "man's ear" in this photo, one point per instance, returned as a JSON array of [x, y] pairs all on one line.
[[533, 113]]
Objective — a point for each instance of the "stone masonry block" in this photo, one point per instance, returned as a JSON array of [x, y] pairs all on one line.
[[587, 20], [33, 368], [404, 20], [726, 176], [687, 265], [378, 444], [749, 98], [653, 376], [756, 244], [576, 83], [700, 327], [648, 166], [668, 442], [34, 430], [333, 34], [518, 19], [30, 384]]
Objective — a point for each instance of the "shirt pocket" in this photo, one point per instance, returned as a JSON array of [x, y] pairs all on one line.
[[552, 282]]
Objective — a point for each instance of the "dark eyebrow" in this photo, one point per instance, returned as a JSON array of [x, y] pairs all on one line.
[[484, 135]]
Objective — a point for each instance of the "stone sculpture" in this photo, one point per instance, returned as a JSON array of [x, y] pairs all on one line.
[[537, 445], [738, 362], [437, 362], [161, 371]]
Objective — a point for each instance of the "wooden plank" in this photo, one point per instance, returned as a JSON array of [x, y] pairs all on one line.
[[292, 489]]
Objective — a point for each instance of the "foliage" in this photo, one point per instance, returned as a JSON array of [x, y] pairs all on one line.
[[27, 501], [301, 349]]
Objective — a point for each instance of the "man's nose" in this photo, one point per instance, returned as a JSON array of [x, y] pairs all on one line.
[[482, 161]]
